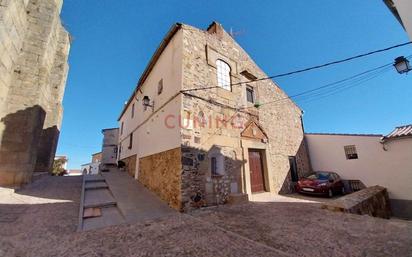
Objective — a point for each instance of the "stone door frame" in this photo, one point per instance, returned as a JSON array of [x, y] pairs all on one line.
[[267, 171]]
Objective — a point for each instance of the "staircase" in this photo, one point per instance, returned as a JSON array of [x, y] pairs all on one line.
[[98, 207]]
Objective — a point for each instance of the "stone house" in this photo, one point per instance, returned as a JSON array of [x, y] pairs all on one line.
[[34, 48], [200, 129]]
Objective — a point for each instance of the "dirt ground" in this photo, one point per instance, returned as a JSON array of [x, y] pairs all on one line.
[[41, 220]]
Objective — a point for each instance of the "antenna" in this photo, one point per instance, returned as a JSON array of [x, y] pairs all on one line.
[[233, 33]]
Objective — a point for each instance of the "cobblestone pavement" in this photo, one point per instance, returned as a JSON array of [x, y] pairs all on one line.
[[41, 220], [303, 229]]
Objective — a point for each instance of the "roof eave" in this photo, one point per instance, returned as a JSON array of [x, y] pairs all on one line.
[[169, 35]]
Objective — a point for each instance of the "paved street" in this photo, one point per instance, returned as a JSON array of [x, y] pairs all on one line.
[[41, 220]]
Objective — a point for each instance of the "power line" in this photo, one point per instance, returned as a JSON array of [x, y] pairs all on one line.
[[307, 69], [339, 83], [329, 85], [334, 92]]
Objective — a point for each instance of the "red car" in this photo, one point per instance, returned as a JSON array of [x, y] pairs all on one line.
[[321, 183]]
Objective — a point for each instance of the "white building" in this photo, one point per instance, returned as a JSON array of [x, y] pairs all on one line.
[[109, 147], [94, 166], [402, 10], [373, 159], [91, 168]]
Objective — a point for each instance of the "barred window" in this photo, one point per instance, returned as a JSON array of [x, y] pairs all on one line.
[[223, 75], [250, 94], [350, 152]]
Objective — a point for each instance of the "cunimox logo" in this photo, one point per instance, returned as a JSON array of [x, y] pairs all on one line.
[[191, 121]]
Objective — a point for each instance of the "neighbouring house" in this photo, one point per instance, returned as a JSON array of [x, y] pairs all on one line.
[[373, 159], [34, 48], [97, 157], [94, 166], [109, 148], [402, 10], [200, 129], [91, 168]]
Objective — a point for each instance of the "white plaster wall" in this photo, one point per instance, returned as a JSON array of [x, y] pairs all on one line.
[[404, 8], [391, 169], [109, 148], [150, 134], [92, 168], [110, 137]]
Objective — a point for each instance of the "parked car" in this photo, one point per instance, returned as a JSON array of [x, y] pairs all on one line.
[[321, 183]]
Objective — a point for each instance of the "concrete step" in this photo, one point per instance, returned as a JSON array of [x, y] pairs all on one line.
[[109, 216], [101, 205], [98, 197], [93, 178], [95, 185]]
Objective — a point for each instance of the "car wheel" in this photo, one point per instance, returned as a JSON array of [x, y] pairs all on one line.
[[330, 193]]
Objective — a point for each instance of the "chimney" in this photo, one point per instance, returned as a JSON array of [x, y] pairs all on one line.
[[216, 28]]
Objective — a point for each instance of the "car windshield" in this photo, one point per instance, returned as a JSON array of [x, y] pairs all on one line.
[[319, 176]]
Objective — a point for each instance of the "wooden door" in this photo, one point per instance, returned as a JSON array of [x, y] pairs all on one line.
[[257, 180]]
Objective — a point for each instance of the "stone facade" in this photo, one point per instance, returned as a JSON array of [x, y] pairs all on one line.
[[161, 174], [130, 165], [34, 48], [227, 114], [217, 128]]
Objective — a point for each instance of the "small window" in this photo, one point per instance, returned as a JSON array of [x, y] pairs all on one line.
[[132, 110], [121, 128], [131, 140], [223, 75], [250, 94], [213, 166], [160, 87], [350, 152]]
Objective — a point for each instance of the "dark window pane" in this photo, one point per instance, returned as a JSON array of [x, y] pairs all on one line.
[[250, 95], [213, 166]]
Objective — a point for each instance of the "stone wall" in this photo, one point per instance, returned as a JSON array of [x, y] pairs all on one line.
[[130, 165], [373, 201], [34, 48], [161, 174], [303, 167], [200, 187], [280, 121]]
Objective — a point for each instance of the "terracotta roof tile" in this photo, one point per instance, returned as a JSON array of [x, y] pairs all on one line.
[[402, 131]]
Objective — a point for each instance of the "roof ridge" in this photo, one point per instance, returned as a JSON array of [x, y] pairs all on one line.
[[402, 126]]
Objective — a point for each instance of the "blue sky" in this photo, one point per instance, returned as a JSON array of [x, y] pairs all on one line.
[[113, 41]]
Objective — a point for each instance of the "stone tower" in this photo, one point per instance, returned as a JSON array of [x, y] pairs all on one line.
[[34, 48]]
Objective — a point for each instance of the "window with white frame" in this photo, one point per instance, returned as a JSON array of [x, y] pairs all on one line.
[[223, 74]]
